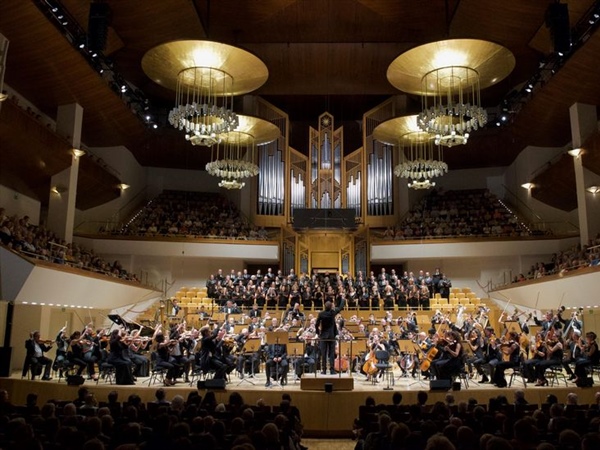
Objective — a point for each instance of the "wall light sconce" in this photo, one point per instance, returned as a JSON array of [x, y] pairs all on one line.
[[58, 190], [124, 186], [593, 189], [77, 152], [575, 152], [527, 186]]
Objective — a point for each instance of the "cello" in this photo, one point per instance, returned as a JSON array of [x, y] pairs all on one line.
[[369, 367], [429, 357]]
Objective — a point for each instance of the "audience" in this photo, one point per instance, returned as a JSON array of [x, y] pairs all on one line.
[[178, 424], [38, 242], [192, 214], [565, 261], [498, 425], [474, 212]]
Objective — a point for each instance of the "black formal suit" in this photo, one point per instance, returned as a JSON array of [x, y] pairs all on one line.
[[254, 313], [34, 361], [276, 351], [327, 331]]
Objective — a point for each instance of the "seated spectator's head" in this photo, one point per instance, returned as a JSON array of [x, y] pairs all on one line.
[[271, 433], [439, 442]]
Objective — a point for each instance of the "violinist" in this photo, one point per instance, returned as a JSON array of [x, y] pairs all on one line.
[[164, 360], [489, 350], [117, 358], [475, 343], [590, 357], [507, 356], [537, 353], [554, 357], [75, 352], [62, 348], [136, 345], [451, 361], [35, 355], [89, 350], [177, 337], [207, 358], [573, 351]]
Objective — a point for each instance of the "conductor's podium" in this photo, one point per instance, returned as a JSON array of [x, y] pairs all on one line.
[[326, 383]]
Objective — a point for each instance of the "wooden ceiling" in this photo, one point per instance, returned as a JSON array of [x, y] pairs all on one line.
[[321, 54]]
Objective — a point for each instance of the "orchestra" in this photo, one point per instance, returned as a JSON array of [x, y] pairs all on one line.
[[458, 341]]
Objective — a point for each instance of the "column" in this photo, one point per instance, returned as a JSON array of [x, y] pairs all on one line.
[[63, 185], [584, 122]]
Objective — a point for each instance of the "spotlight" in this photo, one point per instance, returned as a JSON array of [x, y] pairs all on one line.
[[60, 17], [504, 118], [148, 118], [94, 54], [82, 46], [575, 152], [527, 186], [123, 88], [55, 9], [561, 54], [498, 124], [528, 89], [155, 126]]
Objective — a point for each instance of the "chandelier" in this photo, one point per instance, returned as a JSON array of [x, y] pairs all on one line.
[[205, 76], [233, 158], [421, 156], [449, 76]]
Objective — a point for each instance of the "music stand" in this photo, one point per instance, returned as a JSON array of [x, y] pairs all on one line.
[[277, 337], [250, 347], [296, 349]]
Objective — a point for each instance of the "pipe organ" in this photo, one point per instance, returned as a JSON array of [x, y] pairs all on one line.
[[324, 177], [380, 176], [271, 180]]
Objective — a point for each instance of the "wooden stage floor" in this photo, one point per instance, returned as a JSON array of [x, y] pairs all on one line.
[[323, 414]]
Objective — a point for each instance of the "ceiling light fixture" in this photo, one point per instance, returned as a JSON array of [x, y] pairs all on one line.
[[527, 186], [232, 160], [593, 189], [78, 153], [449, 76], [421, 159], [205, 76], [575, 152], [124, 186]]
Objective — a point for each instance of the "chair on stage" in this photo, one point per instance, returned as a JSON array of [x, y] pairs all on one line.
[[384, 366], [107, 370], [555, 374], [157, 374]]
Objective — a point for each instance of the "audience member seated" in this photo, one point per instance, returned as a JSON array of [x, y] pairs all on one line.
[[192, 214], [474, 212], [37, 242]]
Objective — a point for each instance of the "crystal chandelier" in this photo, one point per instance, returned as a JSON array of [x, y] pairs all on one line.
[[233, 158], [450, 105], [205, 76], [449, 76], [423, 161], [421, 157]]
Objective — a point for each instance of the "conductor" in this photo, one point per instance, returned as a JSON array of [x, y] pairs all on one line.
[[327, 332]]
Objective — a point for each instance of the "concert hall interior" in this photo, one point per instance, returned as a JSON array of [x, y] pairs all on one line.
[[347, 200]]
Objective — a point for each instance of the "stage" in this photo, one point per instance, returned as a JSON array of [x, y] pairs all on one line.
[[324, 414]]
